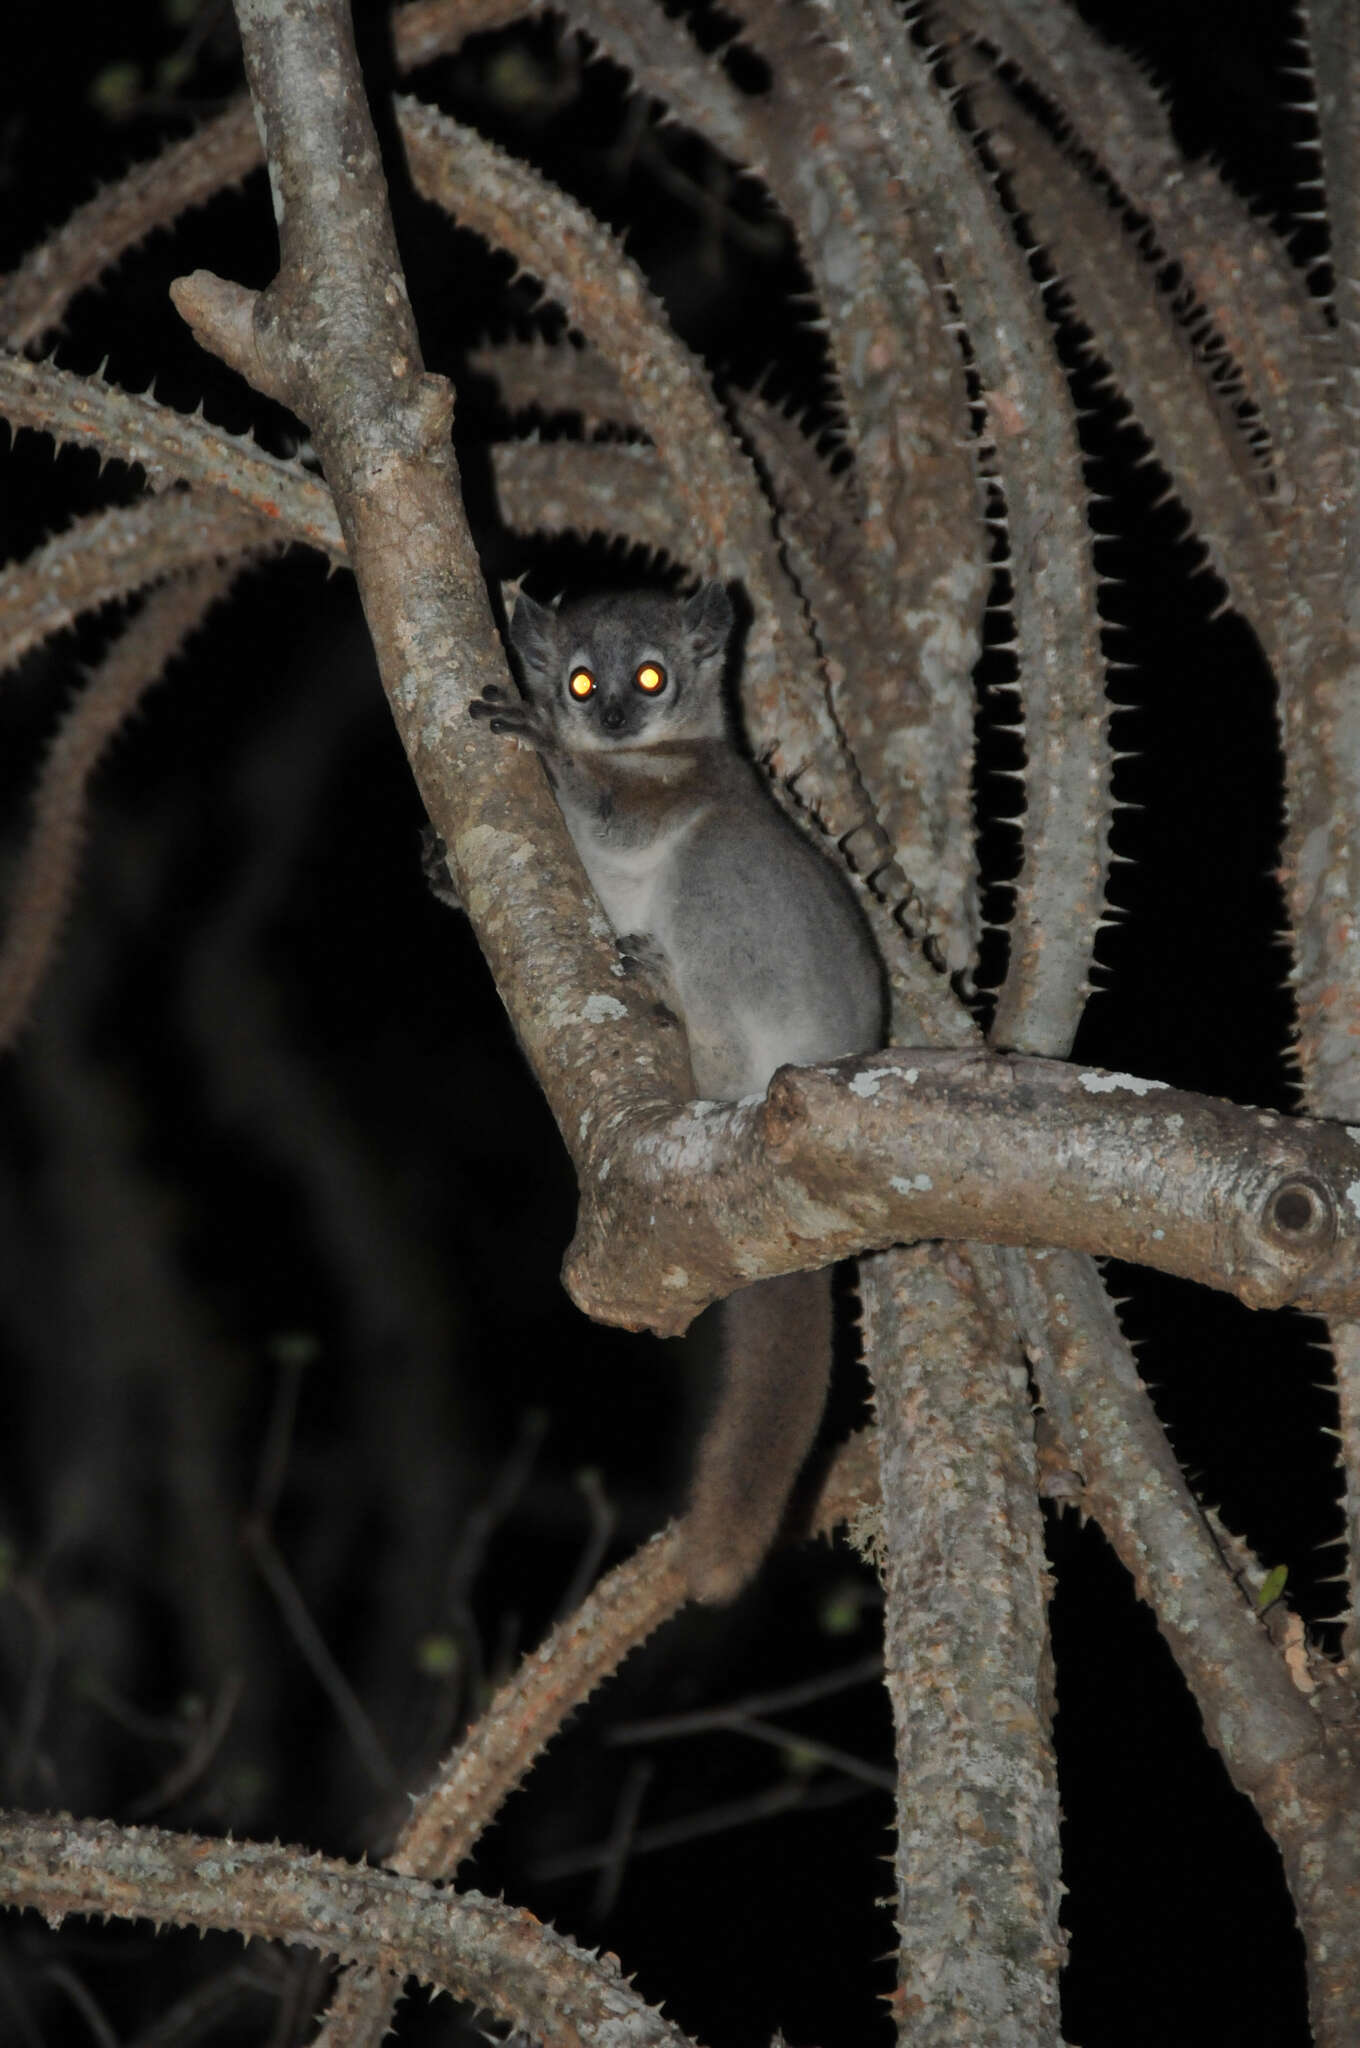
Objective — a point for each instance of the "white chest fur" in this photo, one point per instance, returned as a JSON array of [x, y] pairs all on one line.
[[632, 882]]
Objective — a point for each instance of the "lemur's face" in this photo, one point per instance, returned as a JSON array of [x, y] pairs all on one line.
[[631, 668]]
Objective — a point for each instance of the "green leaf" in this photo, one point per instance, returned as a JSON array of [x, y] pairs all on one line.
[[1271, 1587]]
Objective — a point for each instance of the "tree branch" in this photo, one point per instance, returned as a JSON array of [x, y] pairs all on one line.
[[172, 447], [1278, 1749], [496, 1955], [917, 579], [45, 883], [626, 1607], [335, 332], [613, 487], [605, 296], [113, 553], [188, 173], [965, 1654], [905, 1145]]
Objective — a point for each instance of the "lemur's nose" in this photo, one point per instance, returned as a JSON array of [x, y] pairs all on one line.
[[611, 717]]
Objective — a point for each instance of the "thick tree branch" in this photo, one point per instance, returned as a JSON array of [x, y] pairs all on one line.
[[334, 331], [1009, 1150], [965, 1655]]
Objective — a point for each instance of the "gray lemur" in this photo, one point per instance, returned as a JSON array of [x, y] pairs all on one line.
[[762, 948]]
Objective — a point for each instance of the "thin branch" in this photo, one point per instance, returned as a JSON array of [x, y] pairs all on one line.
[[1277, 1749], [86, 2004], [590, 487], [627, 1606], [214, 2005], [188, 173], [113, 553], [622, 1836], [789, 1795], [363, 1736], [171, 447], [198, 1753], [45, 883], [603, 1521], [553, 377], [1036, 458], [582, 267], [791, 1743], [667, 1727]]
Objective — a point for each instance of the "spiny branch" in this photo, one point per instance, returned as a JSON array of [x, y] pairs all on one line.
[[498, 1957], [628, 1605], [615, 488], [114, 553], [41, 893], [172, 447]]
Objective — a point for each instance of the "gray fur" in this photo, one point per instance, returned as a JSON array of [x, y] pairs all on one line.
[[767, 957]]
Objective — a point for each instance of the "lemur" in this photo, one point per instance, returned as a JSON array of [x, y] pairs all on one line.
[[760, 945]]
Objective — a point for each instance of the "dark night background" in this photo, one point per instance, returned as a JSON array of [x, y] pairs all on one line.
[[284, 1212]]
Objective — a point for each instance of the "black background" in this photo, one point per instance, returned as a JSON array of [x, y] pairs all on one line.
[[269, 1134]]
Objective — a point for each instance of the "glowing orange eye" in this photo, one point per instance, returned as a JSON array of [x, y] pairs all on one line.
[[581, 683], [650, 678]]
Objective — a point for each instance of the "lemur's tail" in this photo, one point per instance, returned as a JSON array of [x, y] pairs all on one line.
[[776, 1353]]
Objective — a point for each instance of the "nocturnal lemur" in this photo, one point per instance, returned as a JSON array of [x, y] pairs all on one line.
[[762, 947]]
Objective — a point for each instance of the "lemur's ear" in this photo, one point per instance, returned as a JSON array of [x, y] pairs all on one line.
[[533, 634], [708, 621]]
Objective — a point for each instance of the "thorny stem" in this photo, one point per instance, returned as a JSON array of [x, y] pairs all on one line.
[[497, 1956]]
